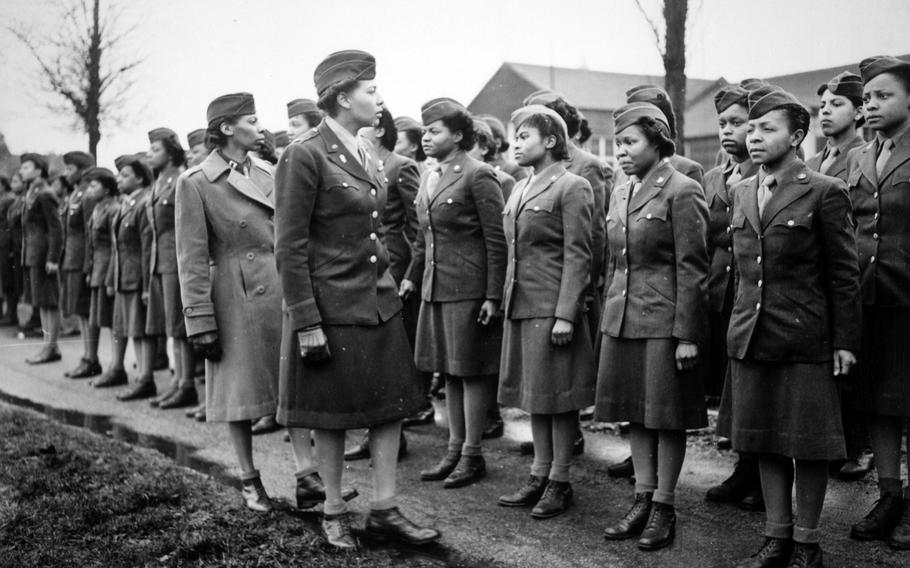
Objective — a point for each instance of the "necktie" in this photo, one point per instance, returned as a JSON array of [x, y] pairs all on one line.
[[764, 192], [524, 190], [634, 186], [883, 155], [828, 161], [735, 176], [433, 181]]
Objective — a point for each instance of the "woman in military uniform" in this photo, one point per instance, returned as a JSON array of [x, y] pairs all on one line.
[[548, 367], [102, 185], [75, 294], [345, 359], [484, 150], [42, 242], [878, 178], [408, 143], [14, 292], [653, 319], [303, 116], [165, 311], [459, 256], [794, 326], [128, 274]]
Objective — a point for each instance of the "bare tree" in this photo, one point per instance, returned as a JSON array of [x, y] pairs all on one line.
[[81, 64], [670, 38]]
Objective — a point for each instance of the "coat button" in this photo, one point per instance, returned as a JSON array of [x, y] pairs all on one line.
[[728, 210], [729, 228], [648, 216], [243, 224], [758, 306], [790, 223], [449, 201], [624, 230], [373, 258], [536, 208], [188, 311], [373, 192], [623, 251], [344, 184], [759, 283], [250, 256], [164, 202], [801, 176], [875, 195], [875, 217], [625, 271], [875, 236], [728, 268], [872, 260], [758, 260], [624, 293], [372, 236], [260, 289], [660, 180], [375, 214], [513, 241]]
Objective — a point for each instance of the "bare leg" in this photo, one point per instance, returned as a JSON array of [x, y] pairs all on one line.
[[145, 356], [302, 448], [242, 440], [118, 351]]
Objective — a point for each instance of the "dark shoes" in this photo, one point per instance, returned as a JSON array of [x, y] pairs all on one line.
[[8, 320], [266, 425], [556, 500], [806, 556], [145, 389], [112, 378], [161, 363], [361, 450], [191, 412], [880, 521], [743, 487], [180, 399], [441, 470], [470, 469], [156, 402], [661, 528], [774, 553], [46, 355], [390, 523], [528, 495], [495, 429], [254, 496], [623, 469], [900, 536], [633, 523], [311, 491], [427, 416], [338, 532], [84, 370], [856, 468]]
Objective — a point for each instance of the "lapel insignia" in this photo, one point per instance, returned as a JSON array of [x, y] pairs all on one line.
[[457, 168], [334, 146]]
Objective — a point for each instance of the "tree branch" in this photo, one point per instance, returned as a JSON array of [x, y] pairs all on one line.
[[658, 42]]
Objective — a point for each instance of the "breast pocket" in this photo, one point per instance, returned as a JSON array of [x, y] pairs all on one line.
[[738, 221], [796, 221], [854, 179], [340, 182], [653, 212], [540, 206]]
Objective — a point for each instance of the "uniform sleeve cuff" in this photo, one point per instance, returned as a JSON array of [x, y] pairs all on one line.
[[200, 318], [304, 314]]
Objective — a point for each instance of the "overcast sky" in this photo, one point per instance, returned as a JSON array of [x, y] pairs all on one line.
[[196, 50]]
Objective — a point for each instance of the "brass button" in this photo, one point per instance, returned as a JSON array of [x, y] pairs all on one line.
[[624, 293], [875, 195], [375, 214], [373, 192], [373, 258], [759, 283], [372, 236], [250, 256], [875, 236], [648, 216], [790, 223], [758, 306], [728, 268], [344, 184], [872, 260], [758, 260], [260, 289]]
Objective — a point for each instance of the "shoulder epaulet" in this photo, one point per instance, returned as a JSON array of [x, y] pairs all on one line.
[[308, 135]]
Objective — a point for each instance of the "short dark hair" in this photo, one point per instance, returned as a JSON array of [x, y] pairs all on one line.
[[64, 183], [657, 136], [214, 137], [312, 117], [41, 167], [109, 183], [389, 131], [569, 115], [903, 77], [797, 118], [548, 127], [141, 171], [461, 122], [584, 130], [328, 101], [414, 135], [488, 143], [174, 150]]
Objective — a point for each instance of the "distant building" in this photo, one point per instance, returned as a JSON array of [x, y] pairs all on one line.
[[597, 94]]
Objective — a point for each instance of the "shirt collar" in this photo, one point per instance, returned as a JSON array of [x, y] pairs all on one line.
[[349, 140]]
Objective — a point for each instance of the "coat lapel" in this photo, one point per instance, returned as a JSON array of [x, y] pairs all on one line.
[[793, 185], [340, 156], [214, 167], [453, 173], [622, 202], [866, 161], [651, 186], [750, 203], [899, 155], [542, 183]]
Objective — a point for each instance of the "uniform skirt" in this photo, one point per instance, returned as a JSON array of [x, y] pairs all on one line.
[[637, 382], [43, 288], [75, 294], [165, 309], [786, 409], [369, 380], [882, 382], [541, 378], [101, 313], [129, 315], [451, 341]]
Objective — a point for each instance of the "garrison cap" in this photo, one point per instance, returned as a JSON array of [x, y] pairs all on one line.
[[403, 123], [482, 128], [770, 97], [37, 159], [100, 174], [301, 106], [730, 95], [522, 115], [343, 66], [657, 97], [496, 125], [846, 84], [872, 67], [234, 104], [79, 159], [121, 161], [542, 97], [282, 139], [626, 116], [752, 83], [443, 107], [158, 134], [196, 137]]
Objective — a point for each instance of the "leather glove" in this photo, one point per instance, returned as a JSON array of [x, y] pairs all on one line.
[[207, 345]]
